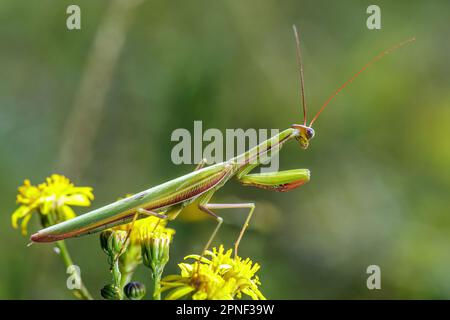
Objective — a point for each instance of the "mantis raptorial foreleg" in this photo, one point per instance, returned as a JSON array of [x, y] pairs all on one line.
[[278, 181]]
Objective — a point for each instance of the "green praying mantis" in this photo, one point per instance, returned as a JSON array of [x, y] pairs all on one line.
[[168, 200]]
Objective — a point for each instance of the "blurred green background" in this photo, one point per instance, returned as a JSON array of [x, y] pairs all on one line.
[[99, 105]]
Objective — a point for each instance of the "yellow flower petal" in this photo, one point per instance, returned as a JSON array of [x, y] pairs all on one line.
[[198, 258], [254, 293], [186, 269], [21, 212], [179, 293], [24, 223], [47, 205], [67, 213], [87, 191], [170, 285], [199, 295], [76, 199], [173, 277]]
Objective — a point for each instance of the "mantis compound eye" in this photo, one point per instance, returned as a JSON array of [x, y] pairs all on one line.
[[304, 134], [310, 132]]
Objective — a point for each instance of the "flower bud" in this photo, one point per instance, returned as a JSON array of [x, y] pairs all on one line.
[[110, 292], [113, 241], [135, 290], [155, 251], [104, 236]]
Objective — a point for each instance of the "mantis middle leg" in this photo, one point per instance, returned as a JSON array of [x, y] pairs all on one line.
[[207, 208]]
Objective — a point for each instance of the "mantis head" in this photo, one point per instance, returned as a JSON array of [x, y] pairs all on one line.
[[304, 134]]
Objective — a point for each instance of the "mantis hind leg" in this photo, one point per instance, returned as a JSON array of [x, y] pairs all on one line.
[[211, 206]]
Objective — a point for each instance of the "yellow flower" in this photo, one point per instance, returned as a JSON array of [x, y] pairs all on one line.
[[144, 227], [199, 280], [55, 196], [141, 228], [243, 272], [220, 276]]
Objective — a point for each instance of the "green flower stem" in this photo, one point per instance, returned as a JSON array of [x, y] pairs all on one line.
[[117, 276], [83, 292], [157, 287]]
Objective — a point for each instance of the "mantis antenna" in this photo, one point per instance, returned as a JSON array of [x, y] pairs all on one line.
[[300, 67], [367, 65]]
